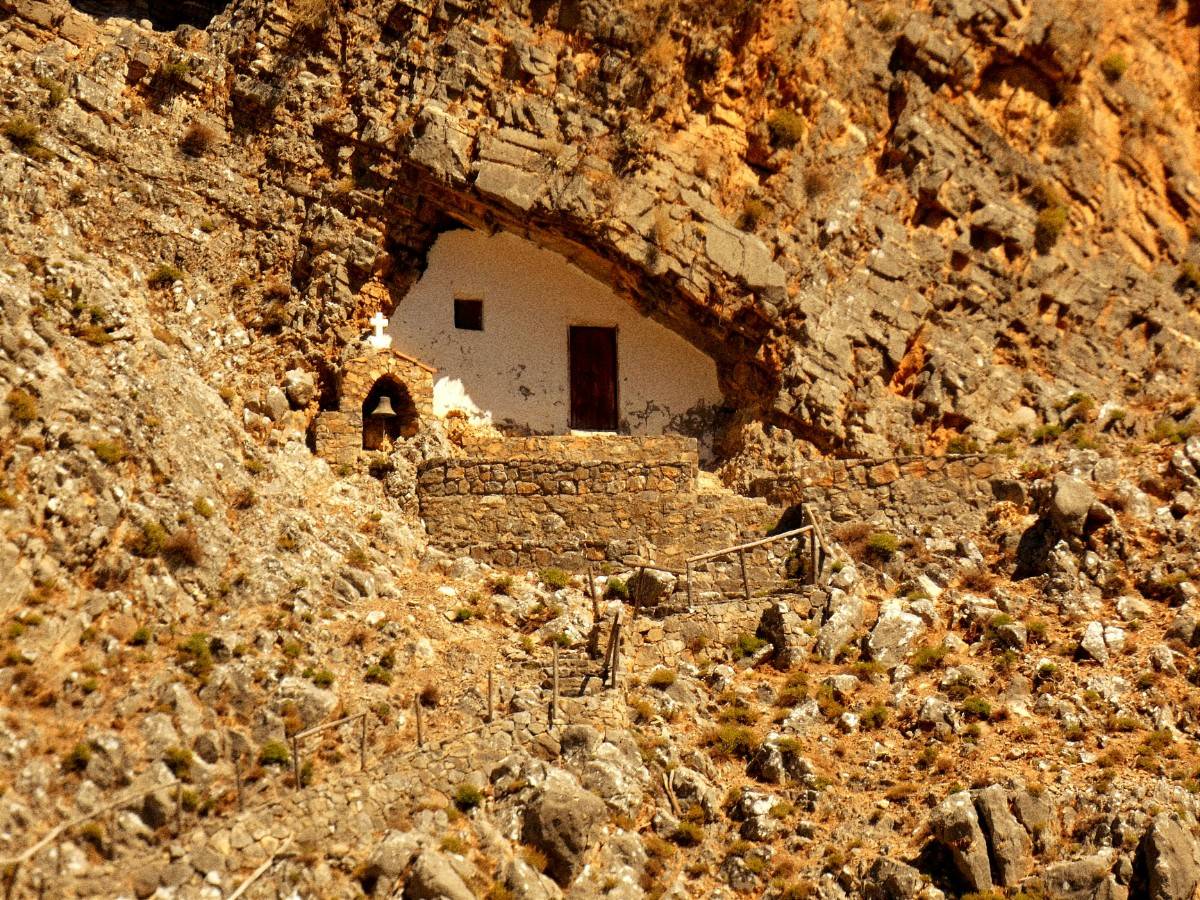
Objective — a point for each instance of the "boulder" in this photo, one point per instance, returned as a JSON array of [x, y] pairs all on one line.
[[844, 619], [892, 638], [299, 387], [314, 704], [1167, 862], [693, 789], [433, 878], [955, 825], [1011, 848], [1092, 643], [890, 879], [561, 821], [778, 761], [1070, 500]]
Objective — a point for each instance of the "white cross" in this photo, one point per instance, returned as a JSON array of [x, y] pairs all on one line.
[[379, 340]]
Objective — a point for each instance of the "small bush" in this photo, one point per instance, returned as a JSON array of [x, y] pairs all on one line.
[[927, 659], [467, 797], [688, 834], [109, 452], [786, 128], [1189, 277], [882, 545], [78, 757], [1114, 66], [1051, 222], [728, 741], [25, 135], [202, 506], [377, 674], [661, 678], [464, 614], [243, 498], [430, 696], [976, 708], [141, 637], [358, 558], [183, 548], [22, 406], [874, 716], [322, 678], [56, 91], [746, 645], [555, 579], [149, 541], [274, 753], [195, 655], [198, 139], [502, 584], [616, 589], [816, 184], [179, 761], [753, 213], [1070, 125], [164, 276]]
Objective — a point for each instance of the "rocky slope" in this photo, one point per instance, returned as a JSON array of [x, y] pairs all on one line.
[[959, 225]]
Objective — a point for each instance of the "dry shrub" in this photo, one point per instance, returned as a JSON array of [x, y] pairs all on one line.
[[853, 537], [183, 548], [430, 696], [198, 139], [1070, 125]]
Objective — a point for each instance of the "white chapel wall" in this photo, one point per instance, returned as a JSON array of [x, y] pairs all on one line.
[[516, 368]]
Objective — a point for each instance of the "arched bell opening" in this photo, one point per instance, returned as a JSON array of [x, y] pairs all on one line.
[[388, 414]]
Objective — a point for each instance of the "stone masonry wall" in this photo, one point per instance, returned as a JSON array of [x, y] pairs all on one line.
[[555, 510], [898, 494]]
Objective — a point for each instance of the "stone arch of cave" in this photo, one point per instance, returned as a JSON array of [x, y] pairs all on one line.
[[378, 431], [164, 16]]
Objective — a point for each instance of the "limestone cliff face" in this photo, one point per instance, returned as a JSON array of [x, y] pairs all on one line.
[[888, 225]]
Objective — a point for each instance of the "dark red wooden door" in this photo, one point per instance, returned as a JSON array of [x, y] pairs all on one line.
[[593, 355]]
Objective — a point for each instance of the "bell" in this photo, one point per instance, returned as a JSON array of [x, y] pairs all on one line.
[[383, 408]]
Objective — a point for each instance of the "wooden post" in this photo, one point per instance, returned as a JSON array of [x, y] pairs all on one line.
[[490, 708], [616, 665], [237, 771], [296, 761], [745, 580], [814, 557], [554, 695], [591, 586], [420, 723], [178, 807], [362, 745], [688, 567]]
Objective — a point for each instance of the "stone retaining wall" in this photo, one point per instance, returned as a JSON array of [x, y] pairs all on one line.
[[898, 494]]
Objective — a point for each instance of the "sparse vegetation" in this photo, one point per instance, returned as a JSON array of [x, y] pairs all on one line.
[[22, 406], [182, 548], [555, 579], [198, 140], [164, 275], [467, 797], [661, 678], [786, 127], [109, 452], [1069, 127], [26, 136], [1114, 66], [1051, 222], [746, 645], [274, 753]]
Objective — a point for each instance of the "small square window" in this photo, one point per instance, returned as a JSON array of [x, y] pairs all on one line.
[[468, 314]]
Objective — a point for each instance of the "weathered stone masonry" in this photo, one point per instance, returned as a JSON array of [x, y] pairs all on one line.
[[567, 501]]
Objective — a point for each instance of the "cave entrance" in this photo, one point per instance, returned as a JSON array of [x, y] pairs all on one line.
[[164, 15]]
